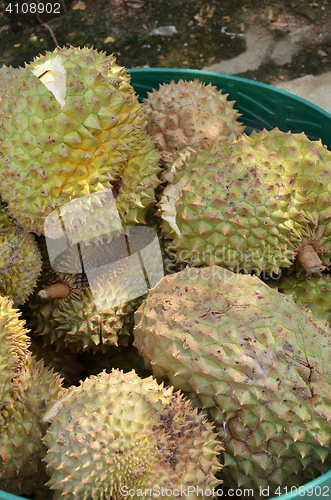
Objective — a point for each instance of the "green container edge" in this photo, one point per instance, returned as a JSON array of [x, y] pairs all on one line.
[[271, 98]]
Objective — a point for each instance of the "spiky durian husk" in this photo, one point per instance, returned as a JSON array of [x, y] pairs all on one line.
[[97, 310], [20, 260], [237, 205], [83, 136], [255, 361], [307, 168], [227, 207], [312, 291], [14, 344], [21, 449], [135, 431], [189, 113], [75, 323]]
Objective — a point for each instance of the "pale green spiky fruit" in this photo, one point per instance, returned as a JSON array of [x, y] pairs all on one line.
[[34, 389], [242, 206], [71, 125], [26, 388], [75, 323], [14, 343], [255, 361], [189, 114], [64, 312], [119, 431], [20, 260], [307, 168], [313, 292]]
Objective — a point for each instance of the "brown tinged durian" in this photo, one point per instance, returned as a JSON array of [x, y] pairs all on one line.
[[117, 432], [189, 114]]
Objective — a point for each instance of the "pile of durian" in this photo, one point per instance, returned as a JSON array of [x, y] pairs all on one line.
[[220, 375]]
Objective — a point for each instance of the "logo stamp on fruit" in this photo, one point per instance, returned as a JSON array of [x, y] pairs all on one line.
[[87, 236]]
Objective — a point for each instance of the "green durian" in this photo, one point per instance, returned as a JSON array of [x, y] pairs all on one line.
[[74, 322], [20, 260], [35, 387], [71, 125], [14, 343], [118, 431], [242, 206], [257, 363], [94, 309], [313, 291]]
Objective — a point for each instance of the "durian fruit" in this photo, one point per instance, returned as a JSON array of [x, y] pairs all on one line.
[[117, 432], [34, 389], [20, 260], [26, 388], [227, 207], [307, 167], [14, 343], [256, 362], [73, 322], [189, 114], [313, 292], [243, 207], [71, 125], [93, 310]]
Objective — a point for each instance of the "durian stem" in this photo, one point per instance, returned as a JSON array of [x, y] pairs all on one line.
[[55, 291], [309, 259]]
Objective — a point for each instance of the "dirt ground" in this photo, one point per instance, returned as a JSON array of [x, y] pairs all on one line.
[[198, 33]]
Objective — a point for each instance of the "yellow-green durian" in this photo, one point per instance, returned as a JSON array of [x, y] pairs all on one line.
[[33, 390], [14, 343], [20, 260], [71, 125], [256, 205], [117, 432], [312, 291]]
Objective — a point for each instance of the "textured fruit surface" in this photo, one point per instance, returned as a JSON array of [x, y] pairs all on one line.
[[74, 322], [71, 125], [20, 260], [242, 206], [313, 292], [255, 361], [21, 449], [117, 430], [190, 114], [72, 319], [14, 343], [307, 166]]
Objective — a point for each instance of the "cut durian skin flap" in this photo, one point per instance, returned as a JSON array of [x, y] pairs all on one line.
[[54, 76]]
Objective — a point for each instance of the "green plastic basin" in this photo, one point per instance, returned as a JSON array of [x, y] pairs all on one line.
[[262, 106]]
